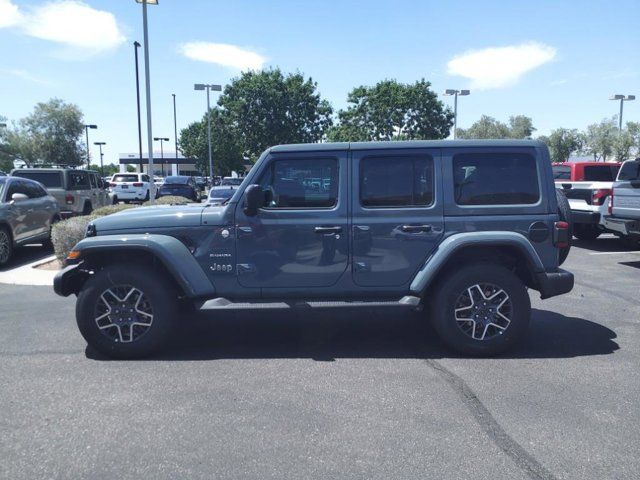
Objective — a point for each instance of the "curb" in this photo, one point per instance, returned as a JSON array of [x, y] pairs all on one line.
[[29, 275]]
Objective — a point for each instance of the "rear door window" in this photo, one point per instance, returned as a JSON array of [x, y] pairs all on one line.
[[495, 179], [78, 180], [396, 181]]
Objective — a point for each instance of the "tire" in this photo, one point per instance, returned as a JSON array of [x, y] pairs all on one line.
[[586, 232], [48, 243], [6, 246], [87, 209], [484, 281], [564, 212], [118, 338]]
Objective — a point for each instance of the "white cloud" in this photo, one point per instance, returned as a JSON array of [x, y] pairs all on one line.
[[74, 24], [9, 14], [499, 66], [23, 74], [223, 54]]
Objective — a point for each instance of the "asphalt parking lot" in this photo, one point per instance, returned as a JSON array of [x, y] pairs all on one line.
[[331, 395]]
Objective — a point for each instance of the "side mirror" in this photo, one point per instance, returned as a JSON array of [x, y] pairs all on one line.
[[253, 200], [19, 197]]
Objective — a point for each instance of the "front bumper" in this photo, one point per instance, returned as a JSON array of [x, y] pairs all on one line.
[[552, 284], [69, 280]]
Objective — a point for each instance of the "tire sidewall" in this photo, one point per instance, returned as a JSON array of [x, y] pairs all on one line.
[[7, 232], [158, 291], [443, 315]]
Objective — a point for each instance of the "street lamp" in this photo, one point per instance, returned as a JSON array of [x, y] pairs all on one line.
[[448, 92], [100, 144], [148, 87], [136, 46], [175, 127], [86, 132], [161, 139], [215, 88], [622, 98]]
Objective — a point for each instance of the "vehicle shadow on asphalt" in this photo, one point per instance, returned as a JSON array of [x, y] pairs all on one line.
[[25, 255], [326, 336], [606, 244]]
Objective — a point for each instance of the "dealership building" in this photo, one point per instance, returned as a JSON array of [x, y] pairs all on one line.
[[164, 164]]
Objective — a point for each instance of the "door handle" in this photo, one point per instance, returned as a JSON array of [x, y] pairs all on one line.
[[416, 228], [328, 230], [244, 231]]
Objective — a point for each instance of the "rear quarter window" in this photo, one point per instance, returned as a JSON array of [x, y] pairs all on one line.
[[495, 179]]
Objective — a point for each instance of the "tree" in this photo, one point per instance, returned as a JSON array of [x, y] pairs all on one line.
[[226, 150], [601, 139], [520, 126], [392, 111], [562, 142], [623, 145], [49, 135], [266, 108]]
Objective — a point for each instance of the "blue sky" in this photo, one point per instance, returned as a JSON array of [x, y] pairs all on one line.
[[555, 61]]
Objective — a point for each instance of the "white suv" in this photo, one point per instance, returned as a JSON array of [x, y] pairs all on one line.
[[131, 186]]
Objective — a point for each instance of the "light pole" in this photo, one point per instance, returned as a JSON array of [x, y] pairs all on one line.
[[455, 93], [622, 98], [100, 144], [161, 139], [86, 132], [175, 128], [148, 88], [136, 46], [215, 88]]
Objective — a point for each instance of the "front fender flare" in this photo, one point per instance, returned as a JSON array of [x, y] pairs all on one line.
[[172, 253], [457, 241]]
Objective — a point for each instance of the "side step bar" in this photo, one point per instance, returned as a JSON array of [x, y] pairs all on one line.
[[221, 303]]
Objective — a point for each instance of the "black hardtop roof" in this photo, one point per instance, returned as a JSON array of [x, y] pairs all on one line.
[[388, 145]]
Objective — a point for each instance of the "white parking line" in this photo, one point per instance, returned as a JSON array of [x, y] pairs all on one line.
[[614, 253]]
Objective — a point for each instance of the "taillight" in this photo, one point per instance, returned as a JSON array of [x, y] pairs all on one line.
[[610, 209], [561, 234], [599, 195], [137, 184], [111, 184], [68, 199]]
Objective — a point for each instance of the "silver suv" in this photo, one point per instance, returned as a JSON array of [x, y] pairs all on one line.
[[78, 192], [624, 206], [27, 212]]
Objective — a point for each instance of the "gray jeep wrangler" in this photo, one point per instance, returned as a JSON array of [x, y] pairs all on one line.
[[459, 228]]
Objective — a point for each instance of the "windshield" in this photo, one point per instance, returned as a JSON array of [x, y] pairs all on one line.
[[222, 193], [176, 180], [48, 179], [630, 170], [560, 172]]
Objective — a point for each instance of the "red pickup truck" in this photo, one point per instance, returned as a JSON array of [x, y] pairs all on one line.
[[587, 186]]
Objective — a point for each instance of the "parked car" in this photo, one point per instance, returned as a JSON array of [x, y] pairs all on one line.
[[624, 206], [219, 196], [231, 182], [201, 183], [587, 186], [131, 187], [78, 192], [27, 212], [480, 223], [181, 186], [158, 182]]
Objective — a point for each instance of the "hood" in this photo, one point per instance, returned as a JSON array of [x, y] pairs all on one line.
[[161, 216]]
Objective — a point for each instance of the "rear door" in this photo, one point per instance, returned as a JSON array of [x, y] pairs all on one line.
[[397, 214], [626, 197]]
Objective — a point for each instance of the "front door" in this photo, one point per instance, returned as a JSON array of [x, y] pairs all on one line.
[[397, 214], [301, 237]]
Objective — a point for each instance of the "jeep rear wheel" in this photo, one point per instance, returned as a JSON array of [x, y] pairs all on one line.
[[481, 309], [126, 313]]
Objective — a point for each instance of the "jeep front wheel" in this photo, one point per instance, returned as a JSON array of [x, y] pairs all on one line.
[[481, 309], [126, 312]]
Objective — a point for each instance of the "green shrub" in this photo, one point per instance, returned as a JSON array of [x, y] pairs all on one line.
[[67, 233], [109, 209], [169, 200]]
